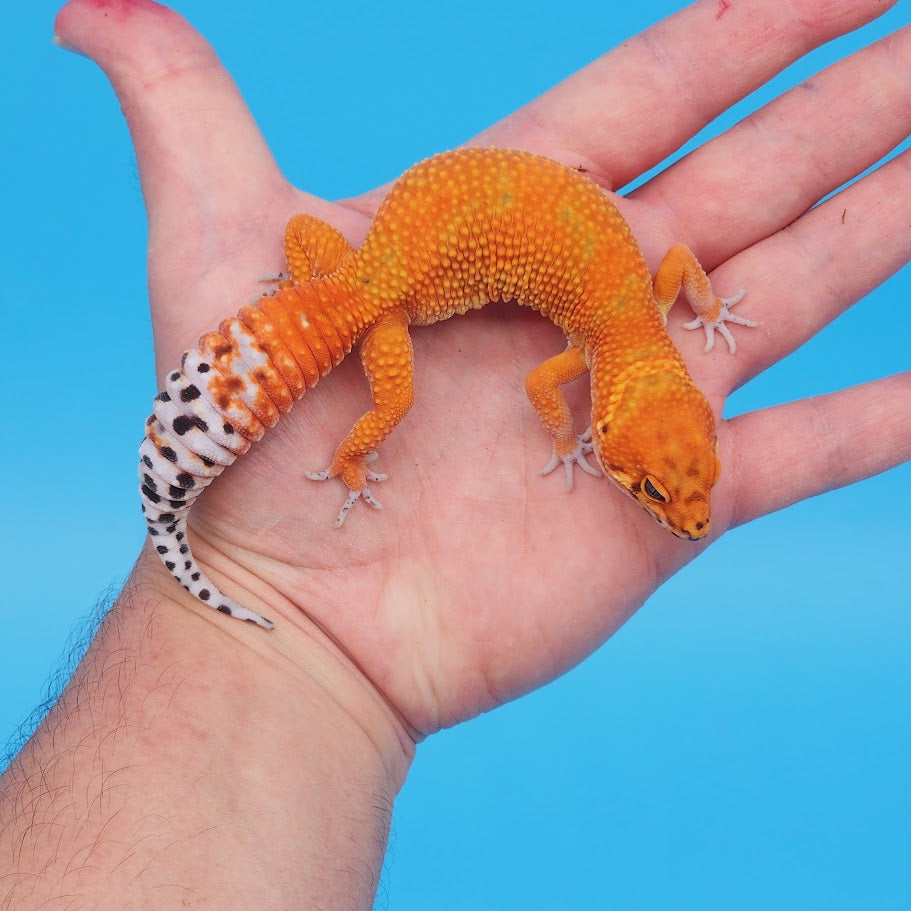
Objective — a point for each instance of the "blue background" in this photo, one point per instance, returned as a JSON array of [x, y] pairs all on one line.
[[744, 742]]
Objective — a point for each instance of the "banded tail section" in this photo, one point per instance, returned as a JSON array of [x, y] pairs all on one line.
[[229, 389]]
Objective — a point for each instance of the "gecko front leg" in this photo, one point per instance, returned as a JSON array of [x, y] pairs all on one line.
[[543, 388], [680, 269]]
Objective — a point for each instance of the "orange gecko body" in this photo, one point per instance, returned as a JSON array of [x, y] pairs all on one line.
[[456, 232]]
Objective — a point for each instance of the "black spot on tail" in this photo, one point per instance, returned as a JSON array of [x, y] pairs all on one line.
[[183, 423], [150, 494]]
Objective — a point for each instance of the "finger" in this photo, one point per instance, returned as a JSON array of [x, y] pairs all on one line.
[[199, 152], [785, 454], [773, 166], [627, 111], [803, 277]]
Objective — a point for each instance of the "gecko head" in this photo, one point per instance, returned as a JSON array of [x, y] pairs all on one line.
[[656, 440]]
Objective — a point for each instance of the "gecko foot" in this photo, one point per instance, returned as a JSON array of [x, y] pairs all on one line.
[[577, 457], [276, 278], [362, 493], [724, 316]]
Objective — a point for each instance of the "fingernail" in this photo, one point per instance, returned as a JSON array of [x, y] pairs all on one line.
[[67, 46]]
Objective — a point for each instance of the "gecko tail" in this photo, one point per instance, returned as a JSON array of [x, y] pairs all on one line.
[[169, 538], [238, 382], [179, 458]]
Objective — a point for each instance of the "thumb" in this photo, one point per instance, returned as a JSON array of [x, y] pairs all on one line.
[[200, 154]]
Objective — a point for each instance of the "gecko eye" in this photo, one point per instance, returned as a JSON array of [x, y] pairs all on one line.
[[655, 490], [601, 428]]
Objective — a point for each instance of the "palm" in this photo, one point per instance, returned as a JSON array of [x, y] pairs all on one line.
[[480, 579]]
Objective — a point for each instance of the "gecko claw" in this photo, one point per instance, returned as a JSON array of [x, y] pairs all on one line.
[[577, 457], [719, 323], [354, 495]]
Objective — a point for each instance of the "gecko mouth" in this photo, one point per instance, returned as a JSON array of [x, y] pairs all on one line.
[[701, 529]]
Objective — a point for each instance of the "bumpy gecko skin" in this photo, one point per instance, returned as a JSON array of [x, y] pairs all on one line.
[[456, 232]]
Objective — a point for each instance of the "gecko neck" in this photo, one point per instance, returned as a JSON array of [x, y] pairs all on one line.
[[612, 372]]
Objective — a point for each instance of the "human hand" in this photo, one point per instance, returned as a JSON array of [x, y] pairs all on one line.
[[481, 580]]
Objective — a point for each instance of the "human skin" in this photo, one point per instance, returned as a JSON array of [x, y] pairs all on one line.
[[196, 760]]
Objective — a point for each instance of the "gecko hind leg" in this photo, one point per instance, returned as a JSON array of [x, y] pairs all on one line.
[[364, 493], [388, 361], [312, 249]]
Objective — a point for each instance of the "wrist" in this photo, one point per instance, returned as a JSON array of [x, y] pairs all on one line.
[[298, 654], [247, 769]]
